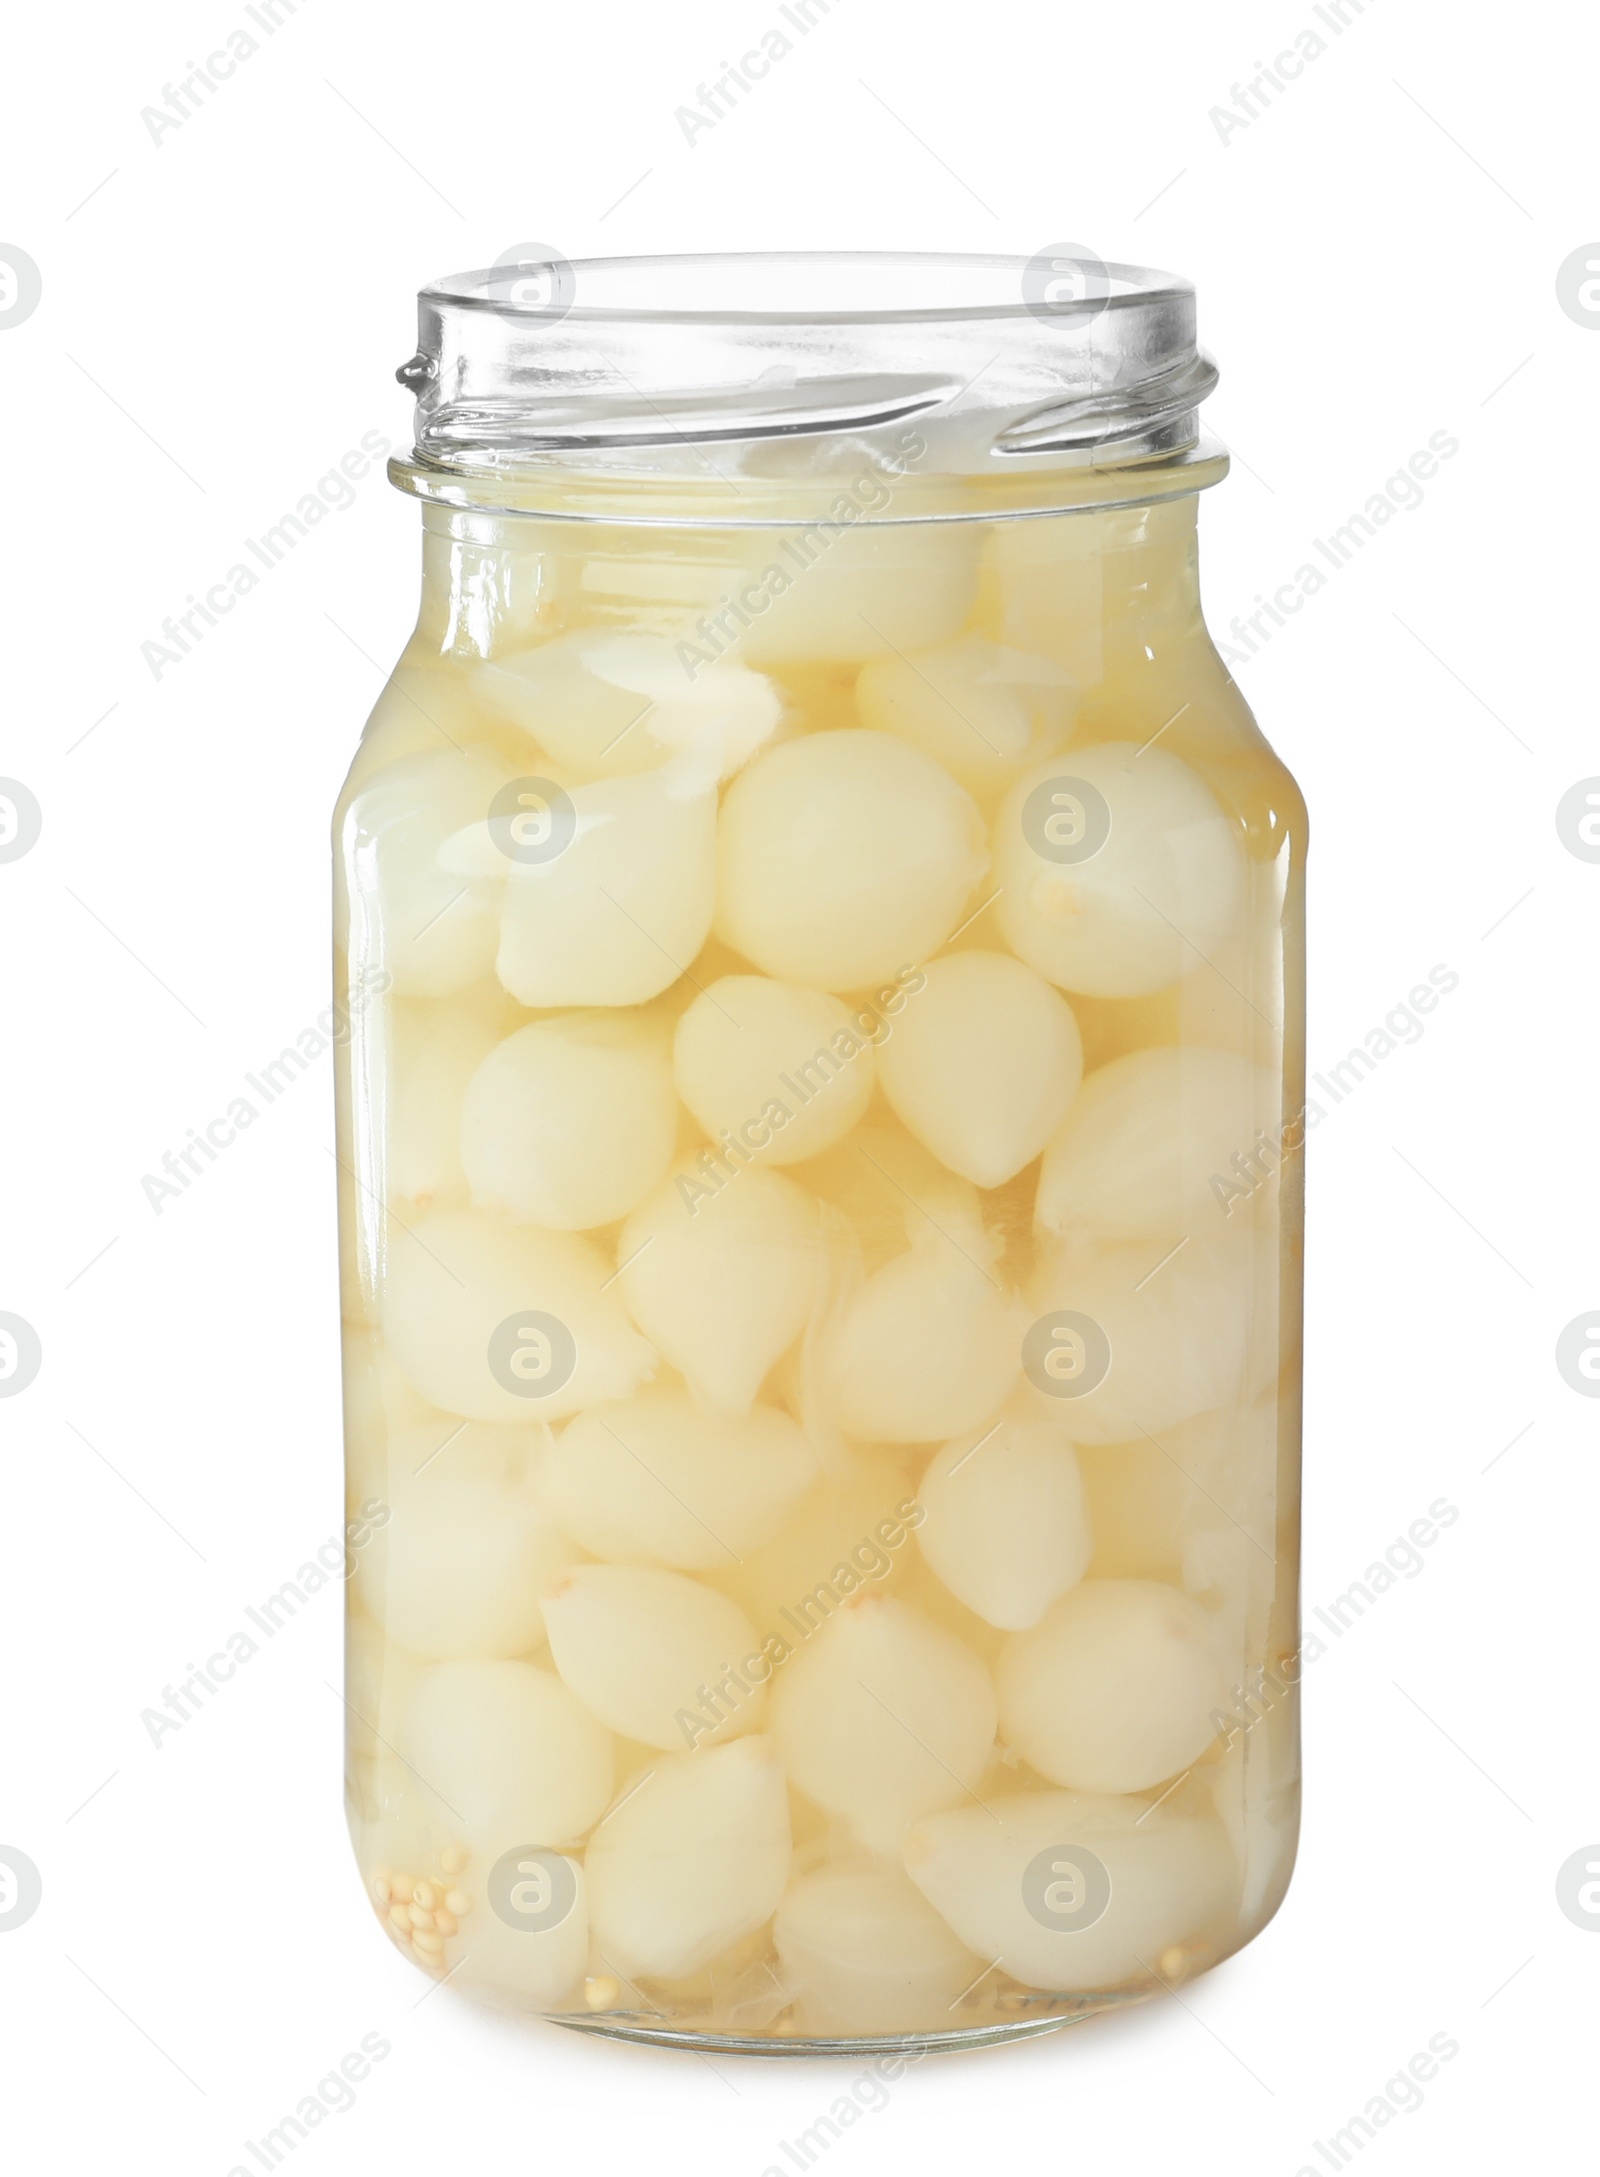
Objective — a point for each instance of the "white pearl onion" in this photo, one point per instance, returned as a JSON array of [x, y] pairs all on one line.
[[541, 1966], [457, 1568], [866, 1953], [1162, 891], [570, 1122], [846, 1535], [604, 701], [507, 1754], [1047, 579], [983, 1064], [1189, 1333], [847, 593], [843, 858], [896, 1196], [928, 1346], [1148, 1501], [636, 1644], [656, 1481], [1172, 1880], [1228, 1548], [1137, 1153], [1006, 1526], [377, 1399], [883, 1716], [690, 1859], [778, 1060], [432, 934], [621, 909], [420, 711], [455, 1277], [434, 1050], [986, 712], [722, 1282], [1116, 1689]]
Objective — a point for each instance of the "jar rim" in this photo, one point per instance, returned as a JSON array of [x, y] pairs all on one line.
[[667, 288], [753, 383]]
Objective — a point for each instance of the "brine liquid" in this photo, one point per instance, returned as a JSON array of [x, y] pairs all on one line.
[[819, 1141]]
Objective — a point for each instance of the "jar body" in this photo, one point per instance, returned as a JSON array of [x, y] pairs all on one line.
[[821, 1244]]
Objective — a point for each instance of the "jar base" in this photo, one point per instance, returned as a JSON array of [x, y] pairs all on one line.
[[991, 2033]]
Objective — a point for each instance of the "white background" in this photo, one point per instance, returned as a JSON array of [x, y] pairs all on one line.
[[222, 313]]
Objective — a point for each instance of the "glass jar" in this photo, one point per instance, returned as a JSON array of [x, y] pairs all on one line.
[[821, 1222]]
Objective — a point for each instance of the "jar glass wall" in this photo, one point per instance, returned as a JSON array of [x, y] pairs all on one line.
[[821, 1214]]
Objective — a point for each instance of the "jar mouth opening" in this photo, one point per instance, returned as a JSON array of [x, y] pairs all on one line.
[[765, 380], [792, 287]]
